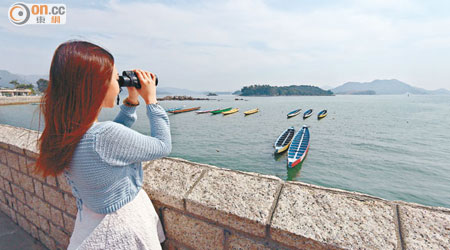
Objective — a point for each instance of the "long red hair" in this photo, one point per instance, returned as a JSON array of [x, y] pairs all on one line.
[[79, 77]]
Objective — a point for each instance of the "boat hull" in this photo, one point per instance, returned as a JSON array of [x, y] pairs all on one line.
[[184, 110], [230, 112], [250, 112]]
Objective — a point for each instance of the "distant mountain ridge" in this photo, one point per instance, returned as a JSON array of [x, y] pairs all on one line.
[[6, 77], [385, 87]]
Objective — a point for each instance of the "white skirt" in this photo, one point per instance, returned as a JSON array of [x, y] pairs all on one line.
[[136, 225]]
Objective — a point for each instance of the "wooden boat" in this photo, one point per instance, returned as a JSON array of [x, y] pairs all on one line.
[[205, 111], [284, 140], [322, 114], [293, 113], [307, 114], [231, 111], [173, 109], [251, 111], [183, 110], [299, 147], [221, 111]]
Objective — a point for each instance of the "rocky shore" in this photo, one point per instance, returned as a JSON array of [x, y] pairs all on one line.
[[182, 98]]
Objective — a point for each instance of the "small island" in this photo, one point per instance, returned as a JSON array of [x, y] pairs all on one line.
[[292, 90], [211, 94], [182, 98]]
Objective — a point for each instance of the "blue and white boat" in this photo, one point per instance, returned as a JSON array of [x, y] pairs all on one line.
[[293, 113], [173, 109], [299, 147], [307, 114]]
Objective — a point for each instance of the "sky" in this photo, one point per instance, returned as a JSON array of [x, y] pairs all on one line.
[[225, 45]]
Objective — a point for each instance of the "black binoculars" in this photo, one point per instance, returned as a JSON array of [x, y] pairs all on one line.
[[130, 79]]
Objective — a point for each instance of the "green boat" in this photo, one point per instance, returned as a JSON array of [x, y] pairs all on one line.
[[220, 111]]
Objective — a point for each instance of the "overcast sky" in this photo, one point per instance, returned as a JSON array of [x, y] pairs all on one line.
[[224, 45]]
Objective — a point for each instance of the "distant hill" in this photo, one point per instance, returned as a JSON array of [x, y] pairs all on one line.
[[6, 77], [384, 87]]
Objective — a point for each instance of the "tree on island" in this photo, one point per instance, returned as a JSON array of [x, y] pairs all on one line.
[[42, 85], [18, 85], [267, 90]]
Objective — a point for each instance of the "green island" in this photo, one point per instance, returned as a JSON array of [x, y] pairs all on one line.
[[267, 90]]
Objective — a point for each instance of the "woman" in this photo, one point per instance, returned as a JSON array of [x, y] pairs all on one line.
[[102, 160]]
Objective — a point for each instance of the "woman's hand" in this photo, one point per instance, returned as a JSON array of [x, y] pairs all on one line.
[[133, 95], [148, 86]]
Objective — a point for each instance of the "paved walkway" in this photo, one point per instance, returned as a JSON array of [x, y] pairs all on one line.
[[14, 237]]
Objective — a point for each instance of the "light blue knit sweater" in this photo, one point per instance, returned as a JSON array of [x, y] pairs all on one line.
[[106, 170]]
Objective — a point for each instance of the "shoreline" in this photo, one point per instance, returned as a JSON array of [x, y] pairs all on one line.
[[17, 100]]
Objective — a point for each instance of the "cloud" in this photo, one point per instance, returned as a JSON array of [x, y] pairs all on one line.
[[223, 45]]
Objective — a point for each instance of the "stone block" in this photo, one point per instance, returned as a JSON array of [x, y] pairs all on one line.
[[23, 223], [192, 232], [38, 188], [32, 216], [12, 160], [425, 228], [18, 193], [168, 180], [44, 224], [5, 172], [312, 217], [23, 164], [69, 223], [57, 217], [60, 237], [54, 197], [22, 180], [63, 185], [19, 138], [71, 204], [51, 181], [3, 156], [239, 200], [239, 242], [46, 240]]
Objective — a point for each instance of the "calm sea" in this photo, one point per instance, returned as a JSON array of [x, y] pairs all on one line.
[[394, 147]]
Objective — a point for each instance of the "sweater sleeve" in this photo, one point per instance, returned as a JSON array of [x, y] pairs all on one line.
[[126, 116], [118, 145]]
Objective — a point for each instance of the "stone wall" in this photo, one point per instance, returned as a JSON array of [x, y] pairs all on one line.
[[10, 100], [206, 207]]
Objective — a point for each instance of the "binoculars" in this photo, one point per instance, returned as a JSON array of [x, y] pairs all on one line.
[[130, 79]]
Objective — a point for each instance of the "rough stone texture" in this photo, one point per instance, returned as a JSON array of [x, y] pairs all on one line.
[[241, 201], [239, 242], [54, 197], [168, 180], [19, 137], [71, 205], [192, 232], [69, 223], [423, 228], [312, 217]]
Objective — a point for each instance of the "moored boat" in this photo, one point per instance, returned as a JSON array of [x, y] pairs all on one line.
[[205, 111], [231, 111], [293, 113], [299, 147], [183, 110], [251, 111], [322, 114], [221, 111], [173, 109], [307, 114], [284, 140]]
